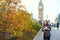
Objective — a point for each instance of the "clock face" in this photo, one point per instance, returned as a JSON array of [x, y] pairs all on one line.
[[40, 7]]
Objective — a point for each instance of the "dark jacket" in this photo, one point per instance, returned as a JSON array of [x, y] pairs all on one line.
[[46, 32], [57, 24]]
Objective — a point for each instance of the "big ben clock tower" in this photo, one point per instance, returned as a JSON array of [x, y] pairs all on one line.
[[40, 8]]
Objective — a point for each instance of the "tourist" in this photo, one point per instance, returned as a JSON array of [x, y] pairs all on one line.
[[57, 26], [46, 30]]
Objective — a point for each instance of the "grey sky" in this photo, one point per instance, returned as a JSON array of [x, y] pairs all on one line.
[[51, 8]]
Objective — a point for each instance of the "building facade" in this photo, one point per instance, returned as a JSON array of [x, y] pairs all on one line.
[[40, 8]]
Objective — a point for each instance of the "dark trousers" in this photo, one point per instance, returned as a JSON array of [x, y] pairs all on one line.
[[47, 38]]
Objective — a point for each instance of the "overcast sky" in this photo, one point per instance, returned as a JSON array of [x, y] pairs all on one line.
[[51, 8]]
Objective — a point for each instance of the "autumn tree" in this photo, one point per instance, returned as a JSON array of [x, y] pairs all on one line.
[[17, 21]]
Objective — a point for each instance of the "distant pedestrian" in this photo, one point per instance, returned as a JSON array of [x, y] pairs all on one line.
[[40, 22], [46, 30], [57, 26]]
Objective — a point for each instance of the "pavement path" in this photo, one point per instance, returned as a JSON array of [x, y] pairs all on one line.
[[55, 34]]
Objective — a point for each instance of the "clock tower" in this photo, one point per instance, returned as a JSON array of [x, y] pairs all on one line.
[[40, 8]]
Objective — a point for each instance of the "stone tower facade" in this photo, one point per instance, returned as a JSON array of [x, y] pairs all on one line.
[[40, 8]]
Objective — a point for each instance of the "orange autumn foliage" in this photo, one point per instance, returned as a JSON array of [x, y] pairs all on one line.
[[17, 22]]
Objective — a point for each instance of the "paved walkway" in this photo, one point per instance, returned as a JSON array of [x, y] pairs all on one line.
[[38, 36], [55, 34]]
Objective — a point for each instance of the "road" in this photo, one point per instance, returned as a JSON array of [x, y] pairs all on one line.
[[55, 34]]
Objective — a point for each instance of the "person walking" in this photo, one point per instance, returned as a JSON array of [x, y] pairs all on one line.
[[57, 26], [46, 30]]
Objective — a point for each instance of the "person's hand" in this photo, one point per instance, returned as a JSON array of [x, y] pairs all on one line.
[[46, 28]]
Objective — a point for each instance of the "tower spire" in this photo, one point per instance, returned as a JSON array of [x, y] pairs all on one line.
[[40, 7], [40, 2]]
